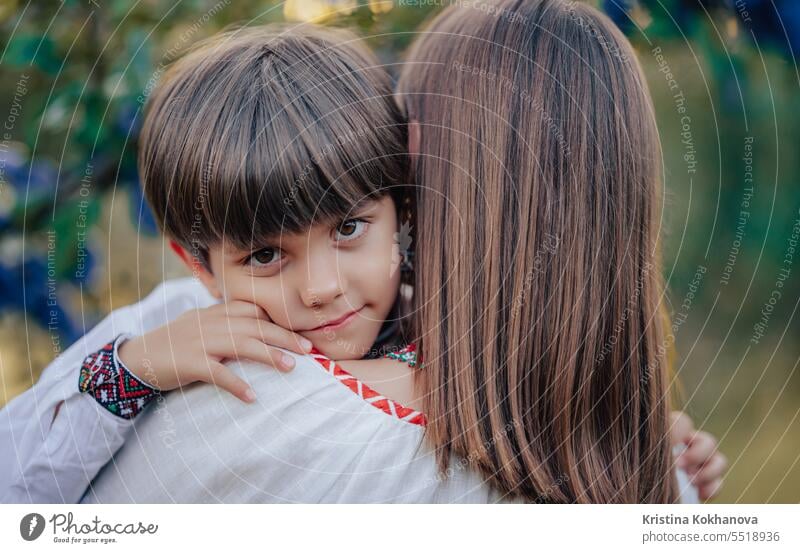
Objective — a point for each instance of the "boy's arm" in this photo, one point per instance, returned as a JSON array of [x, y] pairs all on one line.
[[54, 438], [55, 464], [72, 435]]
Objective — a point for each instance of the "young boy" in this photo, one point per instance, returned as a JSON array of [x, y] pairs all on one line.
[[273, 161]]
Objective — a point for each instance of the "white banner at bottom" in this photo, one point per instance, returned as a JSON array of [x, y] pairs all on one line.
[[388, 528]]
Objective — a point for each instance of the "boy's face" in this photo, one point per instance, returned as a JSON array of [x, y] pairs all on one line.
[[334, 284]]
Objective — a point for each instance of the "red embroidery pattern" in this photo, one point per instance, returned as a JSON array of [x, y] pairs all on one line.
[[104, 376], [388, 406]]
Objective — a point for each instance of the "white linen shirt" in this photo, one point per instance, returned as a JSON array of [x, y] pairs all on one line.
[[307, 439]]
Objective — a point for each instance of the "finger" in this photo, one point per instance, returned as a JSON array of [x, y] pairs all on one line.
[[264, 331], [242, 339], [272, 334], [709, 490], [241, 308], [710, 471], [681, 427], [701, 448], [221, 376], [254, 350]]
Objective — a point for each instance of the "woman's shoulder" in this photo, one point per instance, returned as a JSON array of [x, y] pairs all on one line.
[[312, 423], [318, 391]]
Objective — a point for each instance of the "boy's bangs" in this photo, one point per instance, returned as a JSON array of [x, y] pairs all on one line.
[[287, 186], [269, 133]]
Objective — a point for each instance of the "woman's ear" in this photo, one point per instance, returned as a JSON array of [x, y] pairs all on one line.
[[198, 269], [413, 139]]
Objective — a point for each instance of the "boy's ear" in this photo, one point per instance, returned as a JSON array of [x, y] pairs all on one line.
[[413, 139], [197, 268]]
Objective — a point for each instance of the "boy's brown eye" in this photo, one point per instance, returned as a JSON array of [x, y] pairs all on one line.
[[351, 229], [348, 228], [265, 256]]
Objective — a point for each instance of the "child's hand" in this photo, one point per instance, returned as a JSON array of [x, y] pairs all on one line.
[[193, 346], [701, 459]]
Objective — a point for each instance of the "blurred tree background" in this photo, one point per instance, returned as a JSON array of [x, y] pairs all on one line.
[[77, 240]]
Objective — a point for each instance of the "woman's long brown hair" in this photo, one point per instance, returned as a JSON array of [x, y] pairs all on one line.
[[538, 287]]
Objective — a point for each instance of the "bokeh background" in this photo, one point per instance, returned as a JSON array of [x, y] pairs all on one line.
[[77, 240]]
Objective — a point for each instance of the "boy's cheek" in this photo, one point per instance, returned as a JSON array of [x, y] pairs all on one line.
[[382, 263], [378, 283]]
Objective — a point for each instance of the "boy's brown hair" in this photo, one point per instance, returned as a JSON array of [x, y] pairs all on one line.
[[269, 129]]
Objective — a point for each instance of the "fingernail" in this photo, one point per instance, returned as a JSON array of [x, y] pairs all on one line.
[[288, 361], [250, 395], [306, 344]]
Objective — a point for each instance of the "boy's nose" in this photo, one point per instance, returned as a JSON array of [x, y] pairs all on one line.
[[324, 284]]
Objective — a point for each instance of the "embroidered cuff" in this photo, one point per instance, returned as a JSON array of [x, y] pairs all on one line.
[[111, 384]]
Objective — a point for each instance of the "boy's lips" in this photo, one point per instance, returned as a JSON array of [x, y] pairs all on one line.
[[338, 322]]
